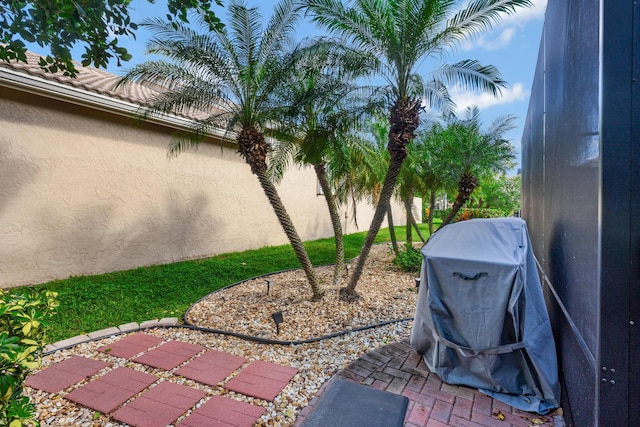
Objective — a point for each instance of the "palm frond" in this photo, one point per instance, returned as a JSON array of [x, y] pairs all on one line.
[[470, 74], [479, 16], [245, 33], [344, 22], [281, 159], [280, 31]]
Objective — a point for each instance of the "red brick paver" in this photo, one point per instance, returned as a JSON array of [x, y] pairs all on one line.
[[211, 367], [169, 355], [63, 374], [112, 389], [223, 412], [263, 380], [159, 406], [432, 403], [131, 345]]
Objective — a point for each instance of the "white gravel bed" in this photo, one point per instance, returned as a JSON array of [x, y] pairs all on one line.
[[386, 294]]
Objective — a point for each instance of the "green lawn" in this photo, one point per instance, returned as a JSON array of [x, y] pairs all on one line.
[[90, 303]]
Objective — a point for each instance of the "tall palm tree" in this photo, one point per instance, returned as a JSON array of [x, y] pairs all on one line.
[[324, 104], [402, 35], [473, 152], [228, 78]]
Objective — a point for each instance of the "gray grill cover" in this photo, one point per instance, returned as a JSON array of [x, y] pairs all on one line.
[[481, 319]]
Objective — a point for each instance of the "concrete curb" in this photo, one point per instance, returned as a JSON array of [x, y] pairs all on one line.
[[104, 333]]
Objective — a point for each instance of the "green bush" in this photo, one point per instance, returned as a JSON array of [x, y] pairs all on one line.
[[23, 321], [409, 259], [469, 213]]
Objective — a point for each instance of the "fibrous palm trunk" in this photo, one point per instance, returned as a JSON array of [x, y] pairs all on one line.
[[392, 231], [432, 206], [408, 204], [468, 182], [415, 226], [335, 222], [253, 147], [403, 120]]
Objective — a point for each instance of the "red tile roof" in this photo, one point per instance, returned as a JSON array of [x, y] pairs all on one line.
[[89, 79], [95, 81]]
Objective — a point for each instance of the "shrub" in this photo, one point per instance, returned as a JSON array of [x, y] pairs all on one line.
[[469, 213], [23, 321], [409, 259]]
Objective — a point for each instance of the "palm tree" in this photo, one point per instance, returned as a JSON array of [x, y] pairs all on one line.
[[324, 104], [370, 161], [473, 152], [410, 183], [401, 35], [228, 78], [434, 171]]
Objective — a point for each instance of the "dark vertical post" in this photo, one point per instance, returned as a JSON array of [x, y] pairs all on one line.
[[615, 220]]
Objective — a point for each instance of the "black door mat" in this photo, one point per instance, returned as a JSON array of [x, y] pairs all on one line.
[[347, 404]]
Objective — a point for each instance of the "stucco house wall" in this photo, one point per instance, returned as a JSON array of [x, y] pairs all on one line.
[[83, 191]]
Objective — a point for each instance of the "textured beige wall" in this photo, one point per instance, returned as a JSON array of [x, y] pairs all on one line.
[[83, 192]]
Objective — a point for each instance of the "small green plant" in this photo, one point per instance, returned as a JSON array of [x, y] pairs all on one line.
[[409, 259], [23, 320]]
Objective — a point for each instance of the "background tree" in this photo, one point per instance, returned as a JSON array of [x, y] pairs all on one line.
[[434, 168], [474, 153], [410, 183], [401, 35], [232, 78], [370, 166], [97, 24], [501, 192]]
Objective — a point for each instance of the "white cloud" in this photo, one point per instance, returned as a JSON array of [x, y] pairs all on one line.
[[489, 42], [504, 30], [464, 98], [526, 14]]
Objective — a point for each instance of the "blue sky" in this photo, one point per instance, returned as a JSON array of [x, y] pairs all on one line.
[[511, 46]]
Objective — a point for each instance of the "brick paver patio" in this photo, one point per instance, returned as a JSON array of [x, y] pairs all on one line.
[[432, 403]]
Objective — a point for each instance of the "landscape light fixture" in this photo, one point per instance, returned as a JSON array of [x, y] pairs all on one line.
[[268, 286], [417, 283], [277, 318]]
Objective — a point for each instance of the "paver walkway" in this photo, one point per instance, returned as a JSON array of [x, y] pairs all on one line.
[[144, 400], [398, 369], [141, 399]]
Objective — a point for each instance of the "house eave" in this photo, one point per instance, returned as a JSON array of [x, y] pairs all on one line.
[[51, 89]]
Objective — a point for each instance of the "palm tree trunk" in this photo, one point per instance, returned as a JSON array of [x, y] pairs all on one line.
[[457, 204], [392, 231], [415, 225], [432, 205], [408, 204], [466, 185], [289, 229], [348, 293], [403, 121], [253, 148], [335, 222]]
